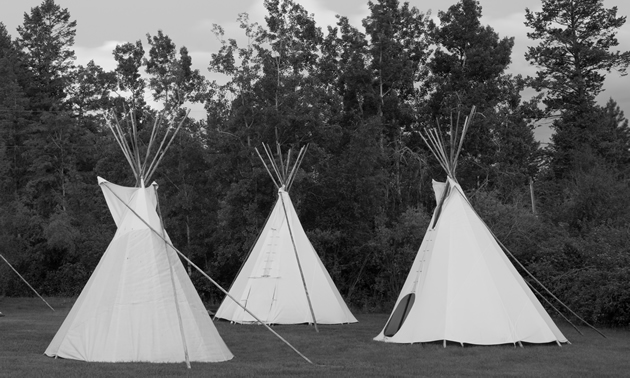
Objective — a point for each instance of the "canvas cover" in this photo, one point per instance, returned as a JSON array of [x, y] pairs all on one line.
[[462, 287], [269, 283], [139, 304]]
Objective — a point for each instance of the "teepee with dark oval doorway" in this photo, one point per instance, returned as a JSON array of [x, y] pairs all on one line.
[[461, 286]]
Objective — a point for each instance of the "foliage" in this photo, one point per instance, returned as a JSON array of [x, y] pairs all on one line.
[[358, 96], [575, 51], [590, 274], [469, 69], [576, 38], [589, 136], [587, 272], [46, 38], [172, 80], [129, 61]]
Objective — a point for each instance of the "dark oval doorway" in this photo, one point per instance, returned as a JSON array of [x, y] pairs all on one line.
[[399, 315]]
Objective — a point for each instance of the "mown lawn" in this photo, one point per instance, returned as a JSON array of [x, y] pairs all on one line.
[[338, 351]]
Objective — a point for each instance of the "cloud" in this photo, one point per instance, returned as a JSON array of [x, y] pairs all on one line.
[[101, 55], [200, 61], [513, 25], [324, 15]]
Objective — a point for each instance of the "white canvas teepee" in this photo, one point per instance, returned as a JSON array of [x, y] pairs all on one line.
[[139, 304], [283, 281], [461, 286]]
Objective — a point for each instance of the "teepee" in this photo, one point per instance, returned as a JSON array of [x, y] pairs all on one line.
[[139, 304], [462, 287], [283, 281]]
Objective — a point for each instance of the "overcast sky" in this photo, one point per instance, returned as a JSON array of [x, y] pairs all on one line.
[[101, 25]]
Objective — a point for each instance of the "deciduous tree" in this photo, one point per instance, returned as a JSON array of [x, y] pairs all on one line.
[[172, 79]]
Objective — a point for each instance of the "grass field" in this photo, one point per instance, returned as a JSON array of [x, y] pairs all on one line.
[[338, 351]]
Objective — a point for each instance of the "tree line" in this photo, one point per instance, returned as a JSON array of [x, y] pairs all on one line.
[[359, 96]]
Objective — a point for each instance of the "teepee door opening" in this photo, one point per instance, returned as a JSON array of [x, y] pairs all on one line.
[[399, 315]]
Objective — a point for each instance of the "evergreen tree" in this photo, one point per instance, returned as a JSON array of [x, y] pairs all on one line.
[[14, 117], [575, 50], [468, 69], [573, 56], [397, 52], [13, 120], [53, 152], [469, 63], [47, 37]]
